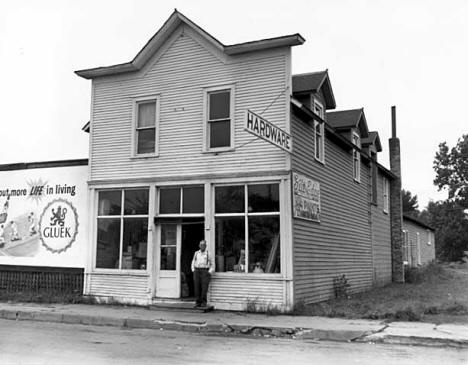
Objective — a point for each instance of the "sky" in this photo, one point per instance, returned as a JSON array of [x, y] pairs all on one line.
[[412, 54]]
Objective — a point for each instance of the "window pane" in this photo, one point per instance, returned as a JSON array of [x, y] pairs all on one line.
[[135, 239], [229, 199], [108, 243], [264, 244], [146, 114], [169, 201], [110, 202], [168, 246], [168, 258], [146, 140], [219, 105], [136, 202], [220, 134], [194, 200], [263, 198], [230, 244]]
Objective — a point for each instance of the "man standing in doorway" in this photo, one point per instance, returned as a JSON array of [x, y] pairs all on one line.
[[202, 268]]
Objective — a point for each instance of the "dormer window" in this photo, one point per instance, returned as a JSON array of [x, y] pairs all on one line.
[[356, 157]]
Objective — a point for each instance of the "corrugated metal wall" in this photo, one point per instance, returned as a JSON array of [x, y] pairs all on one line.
[[341, 242], [231, 293], [381, 239], [179, 76], [132, 287]]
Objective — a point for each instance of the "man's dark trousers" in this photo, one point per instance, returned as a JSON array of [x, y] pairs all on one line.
[[201, 280]]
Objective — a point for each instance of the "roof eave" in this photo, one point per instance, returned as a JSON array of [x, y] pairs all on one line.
[[284, 41], [119, 69]]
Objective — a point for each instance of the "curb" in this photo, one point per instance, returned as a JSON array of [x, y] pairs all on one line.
[[416, 341], [193, 327]]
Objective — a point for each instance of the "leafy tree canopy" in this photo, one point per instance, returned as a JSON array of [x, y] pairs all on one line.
[[409, 203], [451, 167]]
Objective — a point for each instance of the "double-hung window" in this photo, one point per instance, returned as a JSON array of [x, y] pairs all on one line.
[[356, 157], [219, 129], [386, 194], [122, 229], [319, 133], [146, 127], [247, 228]]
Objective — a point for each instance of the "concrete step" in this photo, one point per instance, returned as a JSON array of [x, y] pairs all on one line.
[[179, 306]]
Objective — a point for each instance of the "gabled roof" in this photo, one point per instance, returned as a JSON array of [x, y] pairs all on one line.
[[407, 217], [373, 139], [347, 119], [314, 82], [165, 32]]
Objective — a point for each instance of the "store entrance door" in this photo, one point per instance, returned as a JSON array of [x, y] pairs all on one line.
[[168, 278], [178, 241], [192, 234]]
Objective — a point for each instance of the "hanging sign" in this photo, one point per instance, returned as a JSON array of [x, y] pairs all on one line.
[[306, 195], [262, 128]]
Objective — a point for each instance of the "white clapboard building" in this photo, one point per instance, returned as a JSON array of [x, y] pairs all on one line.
[[195, 139]]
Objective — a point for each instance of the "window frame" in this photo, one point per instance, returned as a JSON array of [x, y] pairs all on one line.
[[321, 114], [246, 214], [121, 218], [356, 140], [386, 195], [206, 122], [136, 102]]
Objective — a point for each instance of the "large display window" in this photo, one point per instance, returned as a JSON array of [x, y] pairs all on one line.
[[122, 229], [247, 228]]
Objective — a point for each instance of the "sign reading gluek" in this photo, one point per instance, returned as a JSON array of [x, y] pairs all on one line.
[[42, 216], [306, 195], [262, 128]]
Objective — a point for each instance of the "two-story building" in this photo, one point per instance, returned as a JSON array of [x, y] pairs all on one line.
[[286, 203]]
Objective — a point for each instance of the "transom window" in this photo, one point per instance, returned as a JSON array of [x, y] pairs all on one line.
[[145, 127], [247, 228], [181, 200], [219, 118], [122, 229]]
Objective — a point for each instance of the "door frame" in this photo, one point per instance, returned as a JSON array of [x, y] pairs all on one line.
[[167, 283]]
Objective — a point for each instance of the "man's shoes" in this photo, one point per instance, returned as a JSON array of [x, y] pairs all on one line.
[[197, 305], [203, 305]]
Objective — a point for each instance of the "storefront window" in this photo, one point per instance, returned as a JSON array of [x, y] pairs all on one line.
[[122, 229], [257, 248]]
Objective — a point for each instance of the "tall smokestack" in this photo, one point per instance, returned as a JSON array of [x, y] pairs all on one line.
[[396, 215]]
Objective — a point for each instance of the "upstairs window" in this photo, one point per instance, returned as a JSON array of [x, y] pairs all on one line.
[[356, 158], [374, 178], [386, 195], [319, 133], [219, 130], [146, 116]]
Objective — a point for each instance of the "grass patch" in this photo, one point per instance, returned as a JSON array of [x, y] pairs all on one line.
[[431, 293], [45, 297]]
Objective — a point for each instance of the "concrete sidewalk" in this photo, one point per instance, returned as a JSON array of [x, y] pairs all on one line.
[[239, 323]]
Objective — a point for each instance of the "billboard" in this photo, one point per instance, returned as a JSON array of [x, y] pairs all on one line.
[[306, 198], [43, 216]]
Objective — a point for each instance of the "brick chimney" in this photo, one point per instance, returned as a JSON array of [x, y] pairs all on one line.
[[396, 215]]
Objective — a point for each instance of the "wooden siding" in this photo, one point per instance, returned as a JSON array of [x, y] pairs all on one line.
[[425, 236], [341, 242], [178, 75], [381, 239], [231, 293], [119, 286]]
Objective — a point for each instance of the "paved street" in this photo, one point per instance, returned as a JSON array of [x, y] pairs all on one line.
[[24, 342]]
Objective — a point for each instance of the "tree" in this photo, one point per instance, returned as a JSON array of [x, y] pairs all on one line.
[[451, 167], [409, 203], [451, 229]]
